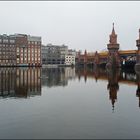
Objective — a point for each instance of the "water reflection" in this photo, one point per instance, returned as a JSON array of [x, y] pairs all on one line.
[[26, 82], [52, 77], [113, 86], [114, 78], [20, 82], [83, 109], [138, 87]]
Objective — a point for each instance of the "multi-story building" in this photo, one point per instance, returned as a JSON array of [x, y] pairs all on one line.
[[54, 54], [28, 50], [70, 60], [7, 50], [72, 52], [44, 52], [70, 57], [20, 50]]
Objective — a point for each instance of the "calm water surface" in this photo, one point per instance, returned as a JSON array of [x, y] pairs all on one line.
[[69, 103]]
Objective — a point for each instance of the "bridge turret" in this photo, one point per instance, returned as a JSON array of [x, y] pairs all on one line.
[[113, 40], [85, 57], [113, 47], [137, 66], [138, 40]]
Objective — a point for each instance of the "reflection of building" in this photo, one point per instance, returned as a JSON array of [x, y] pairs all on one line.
[[19, 82], [7, 81], [53, 77], [28, 81], [57, 76], [70, 73]]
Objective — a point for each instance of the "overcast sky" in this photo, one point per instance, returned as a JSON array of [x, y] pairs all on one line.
[[80, 25]]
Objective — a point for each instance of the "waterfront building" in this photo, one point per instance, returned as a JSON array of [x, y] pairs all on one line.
[[28, 50], [20, 50], [7, 50], [44, 52], [70, 60], [54, 54], [58, 54], [72, 52], [70, 57]]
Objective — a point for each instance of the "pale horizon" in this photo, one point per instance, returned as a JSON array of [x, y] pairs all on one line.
[[80, 25]]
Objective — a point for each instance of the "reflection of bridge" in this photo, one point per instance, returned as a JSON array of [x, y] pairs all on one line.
[[113, 57], [113, 79], [101, 74]]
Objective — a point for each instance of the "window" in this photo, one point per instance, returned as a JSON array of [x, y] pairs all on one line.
[[5, 40], [12, 41]]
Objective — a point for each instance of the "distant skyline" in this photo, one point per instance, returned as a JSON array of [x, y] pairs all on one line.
[[79, 24]]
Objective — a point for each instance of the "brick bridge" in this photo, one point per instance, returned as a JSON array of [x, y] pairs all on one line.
[[113, 57]]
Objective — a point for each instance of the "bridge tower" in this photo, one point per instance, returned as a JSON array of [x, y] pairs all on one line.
[[113, 47], [137, 66], [85, 57], [96, 59]]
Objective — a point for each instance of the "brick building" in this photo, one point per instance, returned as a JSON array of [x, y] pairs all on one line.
[[20, 50], [7, 50], [28, 50]]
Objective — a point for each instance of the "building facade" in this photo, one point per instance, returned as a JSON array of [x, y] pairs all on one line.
[[54, 54], [28, 50], [7, 50], [20, 50], [70, 57], [70, 60], [44, 52], [58, 54]]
